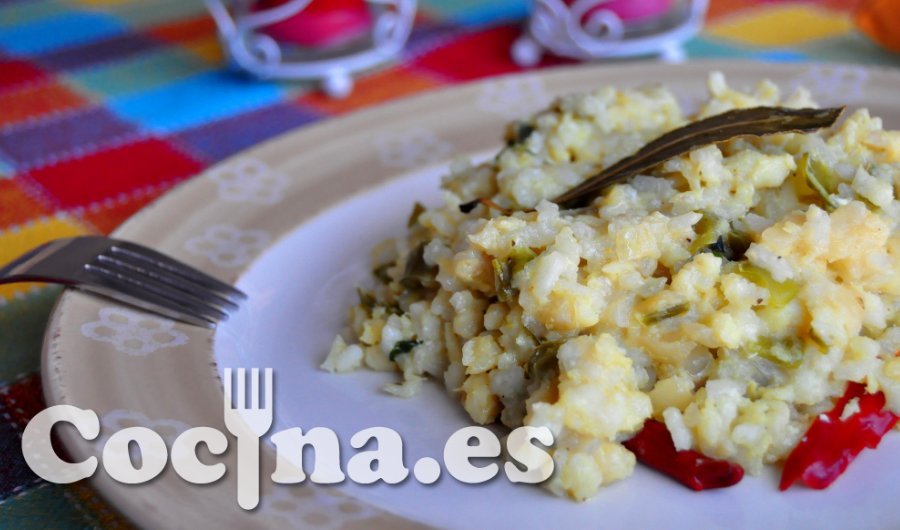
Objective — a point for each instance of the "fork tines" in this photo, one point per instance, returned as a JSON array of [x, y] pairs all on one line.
[[238, 379], [148, 276]]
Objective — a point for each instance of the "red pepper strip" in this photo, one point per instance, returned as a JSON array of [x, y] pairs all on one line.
[[831, 444], [653, 446]]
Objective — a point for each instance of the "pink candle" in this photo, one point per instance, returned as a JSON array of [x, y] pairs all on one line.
[[633, 10], [321, 24]]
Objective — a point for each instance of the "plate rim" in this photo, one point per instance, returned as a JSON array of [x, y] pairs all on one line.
[[54, 390]]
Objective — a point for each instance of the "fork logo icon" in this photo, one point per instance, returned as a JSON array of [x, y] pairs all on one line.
[[248, 422]]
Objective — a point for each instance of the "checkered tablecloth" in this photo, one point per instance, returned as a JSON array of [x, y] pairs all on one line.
[[106, 104]]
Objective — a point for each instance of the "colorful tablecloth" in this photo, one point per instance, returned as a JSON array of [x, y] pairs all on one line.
[[106, 104]]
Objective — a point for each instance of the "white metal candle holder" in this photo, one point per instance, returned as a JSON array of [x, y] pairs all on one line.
[[585, 30], [251, 50]]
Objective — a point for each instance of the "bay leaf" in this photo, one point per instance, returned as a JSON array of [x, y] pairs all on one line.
[[756, 121]]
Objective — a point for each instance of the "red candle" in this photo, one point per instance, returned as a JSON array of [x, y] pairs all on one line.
[[322, 23]]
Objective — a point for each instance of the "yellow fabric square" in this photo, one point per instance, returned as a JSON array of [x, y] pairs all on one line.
[[16, 241], [786, 25]]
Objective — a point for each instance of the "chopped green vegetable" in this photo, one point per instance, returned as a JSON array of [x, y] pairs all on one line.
[[669, 312], [403, 346], [708, 230], [715, 235], [505, 269], [414, 216], [820, 178], [780, 293], [520, 256], [543, 361], [502, 280], [731, 247], [786, 353]]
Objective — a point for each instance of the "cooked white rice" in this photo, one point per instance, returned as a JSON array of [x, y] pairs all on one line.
[[735, 358]]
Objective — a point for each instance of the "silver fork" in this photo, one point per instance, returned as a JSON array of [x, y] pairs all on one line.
[[130, 273], [248, 422]]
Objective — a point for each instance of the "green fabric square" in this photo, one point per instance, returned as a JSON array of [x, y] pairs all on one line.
[[143, 73], [22, 323]]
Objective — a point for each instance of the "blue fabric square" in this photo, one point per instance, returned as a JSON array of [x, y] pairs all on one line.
[[478, 12], [6, 168], [59, 31], [223, 138], [195, 100], [780, 56]]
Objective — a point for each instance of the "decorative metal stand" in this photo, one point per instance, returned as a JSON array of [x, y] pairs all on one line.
[[585, 30], [250, 49]]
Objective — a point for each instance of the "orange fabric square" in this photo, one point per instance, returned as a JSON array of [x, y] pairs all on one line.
[[376, 88], [107, 218], [36, 100], [719, 8], [185, 30], [208, 48], [17, 207]]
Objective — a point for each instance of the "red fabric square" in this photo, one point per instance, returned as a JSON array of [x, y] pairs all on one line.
[[23, 399], [14, 72], [111, 173], [481, 54]]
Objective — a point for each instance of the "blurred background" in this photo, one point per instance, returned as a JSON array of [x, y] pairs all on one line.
[[107, 104]]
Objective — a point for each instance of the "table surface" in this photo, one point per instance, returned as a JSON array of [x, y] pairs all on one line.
[[106, 104]]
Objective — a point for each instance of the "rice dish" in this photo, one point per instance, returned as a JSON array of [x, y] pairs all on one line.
[[592, 321]]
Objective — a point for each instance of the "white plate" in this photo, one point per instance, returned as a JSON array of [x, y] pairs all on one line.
[[292, 222]]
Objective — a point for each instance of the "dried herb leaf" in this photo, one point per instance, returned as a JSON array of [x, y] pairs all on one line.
[[756, 121], [417, 273], [381, 273], [414, 216], [518, 132], [403, 346], [467, 207], [366, 299]]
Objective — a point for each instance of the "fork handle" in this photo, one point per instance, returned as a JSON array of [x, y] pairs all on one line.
[[248, 471], [16, 270]]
